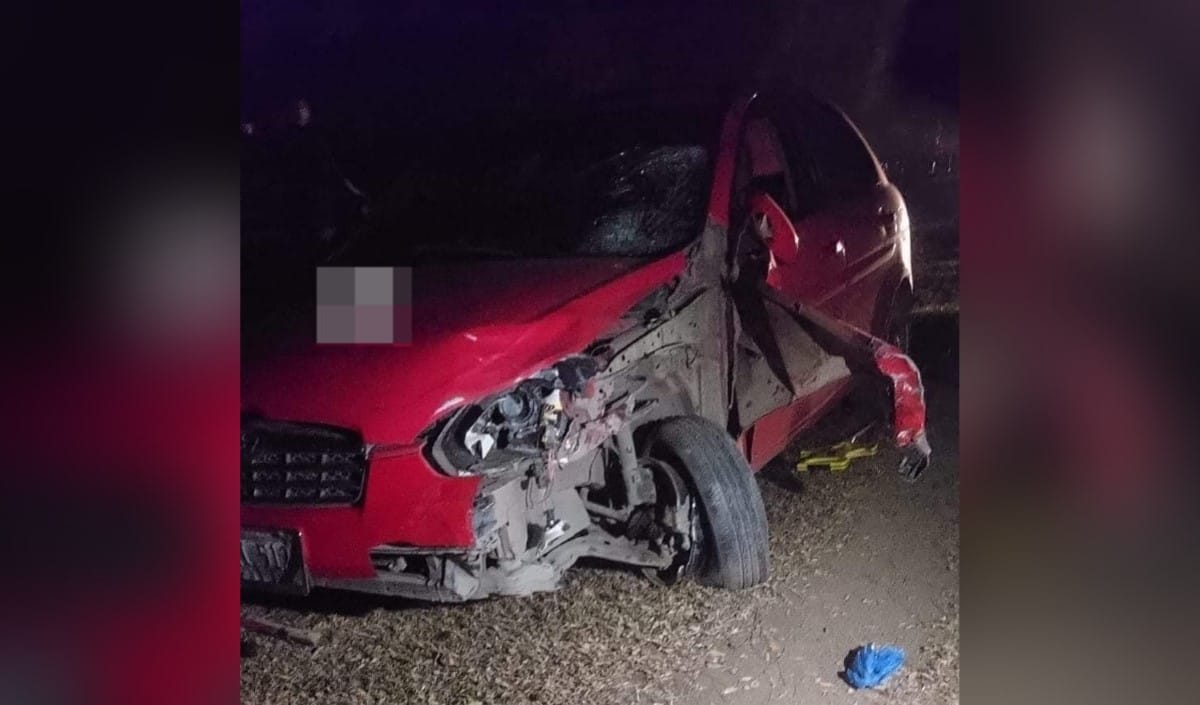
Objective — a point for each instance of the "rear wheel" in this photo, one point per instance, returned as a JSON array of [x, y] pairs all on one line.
[[732, 544], [899, 329]]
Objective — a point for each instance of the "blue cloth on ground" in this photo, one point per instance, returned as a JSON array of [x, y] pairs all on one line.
[[871, 665]]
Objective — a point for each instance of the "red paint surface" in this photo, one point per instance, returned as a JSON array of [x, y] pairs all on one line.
[[908, 394], [774, 431], [477, 330], [723, 169]]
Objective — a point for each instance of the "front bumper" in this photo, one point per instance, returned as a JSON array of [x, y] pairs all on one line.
[[406, 503]]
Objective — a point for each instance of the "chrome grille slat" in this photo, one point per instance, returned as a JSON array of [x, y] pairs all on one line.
[[301, 464]]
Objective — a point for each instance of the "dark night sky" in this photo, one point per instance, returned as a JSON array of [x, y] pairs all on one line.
[[418, 60], [381, 72], [404, 58]]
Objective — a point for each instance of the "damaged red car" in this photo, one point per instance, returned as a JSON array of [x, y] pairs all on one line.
[[616, 321]]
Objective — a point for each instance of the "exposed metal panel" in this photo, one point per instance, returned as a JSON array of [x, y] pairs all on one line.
[[777, 362]]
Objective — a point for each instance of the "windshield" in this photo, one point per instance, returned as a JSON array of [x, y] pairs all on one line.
[[637, 201], [582, 191]]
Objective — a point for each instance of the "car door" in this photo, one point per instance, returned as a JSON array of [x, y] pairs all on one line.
[[804, 265], [818, 200], [844, 207], [783, 379]]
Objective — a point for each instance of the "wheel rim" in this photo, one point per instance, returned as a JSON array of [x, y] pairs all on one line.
[[676, 514]]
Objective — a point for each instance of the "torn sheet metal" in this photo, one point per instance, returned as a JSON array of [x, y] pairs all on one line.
[[866, 351], [908, 407]]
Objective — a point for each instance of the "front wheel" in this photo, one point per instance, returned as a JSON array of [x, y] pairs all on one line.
[[733, 544]]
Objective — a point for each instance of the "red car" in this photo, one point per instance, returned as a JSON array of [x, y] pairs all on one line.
[[612, 330]]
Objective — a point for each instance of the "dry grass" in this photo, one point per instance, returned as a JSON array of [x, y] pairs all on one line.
[[935, 683]]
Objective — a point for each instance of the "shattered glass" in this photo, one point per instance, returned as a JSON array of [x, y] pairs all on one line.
[[646, 201], [564, 200]]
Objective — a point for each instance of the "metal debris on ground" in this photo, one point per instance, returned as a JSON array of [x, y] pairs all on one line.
[[308, 637]]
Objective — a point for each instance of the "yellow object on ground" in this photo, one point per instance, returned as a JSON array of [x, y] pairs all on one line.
[[835, 457]]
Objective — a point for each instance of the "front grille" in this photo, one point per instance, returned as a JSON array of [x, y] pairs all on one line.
[[297, 463]]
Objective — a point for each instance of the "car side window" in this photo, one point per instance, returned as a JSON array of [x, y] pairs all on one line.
[[829, 161]]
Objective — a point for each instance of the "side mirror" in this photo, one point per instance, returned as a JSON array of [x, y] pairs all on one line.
[[774, 227]]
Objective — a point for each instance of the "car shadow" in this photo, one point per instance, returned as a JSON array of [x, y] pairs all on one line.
[[780, 473], [847, 664], [331, 602]]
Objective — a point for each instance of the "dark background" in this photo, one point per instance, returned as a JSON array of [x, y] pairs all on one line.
[[384, 79]]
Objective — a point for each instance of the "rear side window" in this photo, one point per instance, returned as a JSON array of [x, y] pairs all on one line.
[[829, 161]]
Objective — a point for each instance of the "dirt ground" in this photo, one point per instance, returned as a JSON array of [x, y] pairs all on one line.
[[857, 557]]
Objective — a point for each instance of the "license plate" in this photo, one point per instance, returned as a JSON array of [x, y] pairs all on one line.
[[272, 560]]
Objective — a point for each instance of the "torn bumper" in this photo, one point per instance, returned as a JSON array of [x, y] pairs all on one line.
[[908, 407]]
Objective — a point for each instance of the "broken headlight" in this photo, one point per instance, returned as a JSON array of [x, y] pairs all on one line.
[[501, 431], [507, 430]]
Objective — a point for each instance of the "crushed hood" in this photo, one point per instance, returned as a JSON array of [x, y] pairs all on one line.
[[477, 329]]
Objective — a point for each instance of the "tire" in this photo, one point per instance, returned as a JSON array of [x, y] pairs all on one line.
[[899, 328], [900, 333], [733, 520], [893, 315]]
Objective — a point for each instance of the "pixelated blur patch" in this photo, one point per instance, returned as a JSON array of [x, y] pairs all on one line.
[[373, 286], [364, 305]]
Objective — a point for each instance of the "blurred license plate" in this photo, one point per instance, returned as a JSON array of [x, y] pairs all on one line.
[[272, 560]]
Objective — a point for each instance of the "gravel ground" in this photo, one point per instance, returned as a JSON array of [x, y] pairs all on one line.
[[857, 556]]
